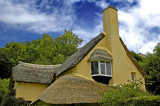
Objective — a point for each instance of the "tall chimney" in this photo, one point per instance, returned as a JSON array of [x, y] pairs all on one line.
[[110, 26], [110, 21], [111, 31]]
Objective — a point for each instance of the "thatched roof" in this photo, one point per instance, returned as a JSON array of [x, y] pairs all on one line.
[[79, 55], [70, 89], [99, 54], [34, 73]]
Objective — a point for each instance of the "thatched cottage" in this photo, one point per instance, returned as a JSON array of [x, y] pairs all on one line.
[[104, 61]]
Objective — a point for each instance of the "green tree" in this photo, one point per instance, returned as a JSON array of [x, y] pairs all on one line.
[[4, 88], [5, 65], [15, 51], [45, 50], [10, 100], [137, 56], [151, 65], [67, 44]]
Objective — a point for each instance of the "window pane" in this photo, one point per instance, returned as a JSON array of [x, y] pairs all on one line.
[[94, 67], [108, 67], [103, 71], [133, 77]]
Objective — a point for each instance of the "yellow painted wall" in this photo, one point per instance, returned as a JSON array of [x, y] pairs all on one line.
[[29, 91], [122, 66]]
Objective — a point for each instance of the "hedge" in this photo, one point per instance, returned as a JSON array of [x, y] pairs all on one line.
[[143, 101]]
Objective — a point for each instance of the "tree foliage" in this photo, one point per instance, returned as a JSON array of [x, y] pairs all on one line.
[[10, 100], [45, 50], [5, 65], [151, 65], [4, 88], [137, 56]]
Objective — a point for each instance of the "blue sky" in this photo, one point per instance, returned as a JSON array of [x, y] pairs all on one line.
[[26, 20]]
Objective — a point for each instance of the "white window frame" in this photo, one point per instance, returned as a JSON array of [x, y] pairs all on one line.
[[99, 69]]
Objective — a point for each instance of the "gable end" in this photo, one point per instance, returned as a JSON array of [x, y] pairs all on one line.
[[133, 60]]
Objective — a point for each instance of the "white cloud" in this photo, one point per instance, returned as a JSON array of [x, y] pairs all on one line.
[[130, 1], [159, 37], [134, 25], [86, 34], [18, 13], [148, 47], [27, 16], [101, 4]]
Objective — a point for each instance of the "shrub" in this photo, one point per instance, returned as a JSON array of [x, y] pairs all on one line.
[[11, 100], [4, 86], [143, 101], [118, 94]]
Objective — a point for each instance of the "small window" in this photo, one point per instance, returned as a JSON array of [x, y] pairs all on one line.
[[101, 68], [133, 76]]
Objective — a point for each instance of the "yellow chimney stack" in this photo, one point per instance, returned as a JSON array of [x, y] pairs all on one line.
[[110, 21]]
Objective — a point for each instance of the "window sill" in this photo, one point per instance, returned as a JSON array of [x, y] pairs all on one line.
[[102, 75]]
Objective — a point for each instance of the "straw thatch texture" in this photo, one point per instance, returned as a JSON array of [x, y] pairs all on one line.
[[100, 54], [34, 73], [71, 89], [79, 55]]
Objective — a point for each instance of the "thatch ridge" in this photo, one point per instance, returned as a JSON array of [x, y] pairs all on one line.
[[70, 89], [99, 54], [34, 73], [79, 55]]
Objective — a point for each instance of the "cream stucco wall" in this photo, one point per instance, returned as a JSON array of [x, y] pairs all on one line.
[[122, 66], [29, 91]]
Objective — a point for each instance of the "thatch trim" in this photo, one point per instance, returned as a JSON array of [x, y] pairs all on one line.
[[34, 73], [133, 59], [99, 54], [70, 89], [79, 55]]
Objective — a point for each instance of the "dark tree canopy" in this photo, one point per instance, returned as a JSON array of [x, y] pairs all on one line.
[[151, 65], [137, 56], [5, 65]]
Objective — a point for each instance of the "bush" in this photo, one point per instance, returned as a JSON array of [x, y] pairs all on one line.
[[118, 94], [11, 100], [4, 86], [143, 101]]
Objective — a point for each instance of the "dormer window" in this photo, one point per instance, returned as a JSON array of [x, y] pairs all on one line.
[[101, 68]]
